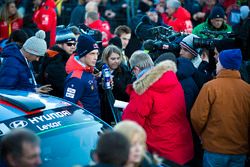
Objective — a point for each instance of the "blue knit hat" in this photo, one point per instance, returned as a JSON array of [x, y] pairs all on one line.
[[85, 45], [231, 59], [64, 36]]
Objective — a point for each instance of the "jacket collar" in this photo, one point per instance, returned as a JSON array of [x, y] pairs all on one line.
[[225, 73], [153, 75]]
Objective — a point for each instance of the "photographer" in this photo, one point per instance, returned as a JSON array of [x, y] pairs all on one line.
[[188, 51], [215, 22]]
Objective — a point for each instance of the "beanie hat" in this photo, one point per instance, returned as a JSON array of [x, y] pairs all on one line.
[[85, 45], [244, 12], [173, 4], [64, 36], [187, 43], [217, 12], [231, 59], [165, 56], [18, 36], [116, 41], [36, 45]]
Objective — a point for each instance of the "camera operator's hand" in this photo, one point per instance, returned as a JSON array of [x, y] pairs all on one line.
[[44, 89], [199, 15], [165, 46]]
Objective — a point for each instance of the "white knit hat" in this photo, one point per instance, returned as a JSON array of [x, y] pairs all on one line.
[[36, 45]]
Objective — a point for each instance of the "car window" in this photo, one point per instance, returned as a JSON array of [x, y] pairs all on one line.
[[68, 134]]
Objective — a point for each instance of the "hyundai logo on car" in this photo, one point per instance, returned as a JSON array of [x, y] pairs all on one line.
[[18, 124]]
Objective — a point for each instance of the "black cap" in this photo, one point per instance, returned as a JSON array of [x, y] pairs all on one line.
[[217, 12]]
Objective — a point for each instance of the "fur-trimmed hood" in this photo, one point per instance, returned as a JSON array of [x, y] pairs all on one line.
[[158, 77]]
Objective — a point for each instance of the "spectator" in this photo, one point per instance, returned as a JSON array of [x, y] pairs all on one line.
[[92, 21], [78, 14], [10, 19], [20, 147], [80, 85], [215, 22], [53, 66], [45, 19], [16, 71], [177, 17], [191, 53], [75, 30], [29, 26], [17, 36], [244, 33], [92, 6], [137, 138], [221, 112], [116, 13], [112, 150], [124, 33], [157, 103]]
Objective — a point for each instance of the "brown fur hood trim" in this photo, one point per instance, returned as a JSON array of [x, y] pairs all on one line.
[[153, 75]]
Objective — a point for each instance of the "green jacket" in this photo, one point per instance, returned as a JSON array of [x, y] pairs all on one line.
[[207, 26]]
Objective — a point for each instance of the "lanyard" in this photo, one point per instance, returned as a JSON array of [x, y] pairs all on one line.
[[31, 69]]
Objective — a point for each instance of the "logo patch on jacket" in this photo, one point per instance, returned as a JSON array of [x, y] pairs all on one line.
[[70, 93], [91, 83]]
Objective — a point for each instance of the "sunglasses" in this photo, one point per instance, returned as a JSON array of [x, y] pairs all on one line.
[[70, 44]]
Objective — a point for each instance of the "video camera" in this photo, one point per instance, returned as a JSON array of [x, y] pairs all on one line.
[[163, 39], [216, 39], [218, 34]]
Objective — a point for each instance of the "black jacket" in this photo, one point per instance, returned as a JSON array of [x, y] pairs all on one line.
[[53, 70], [185, 71]]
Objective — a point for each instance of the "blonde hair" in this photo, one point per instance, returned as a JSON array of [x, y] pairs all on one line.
[[108, 51], [130, 129], [4, 13]]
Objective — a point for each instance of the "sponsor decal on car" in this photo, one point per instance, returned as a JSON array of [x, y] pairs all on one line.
[[47, 120]]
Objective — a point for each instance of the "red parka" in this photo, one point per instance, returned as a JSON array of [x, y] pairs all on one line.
[[157, 103], [180, 21], [106, 34], [45, 18]]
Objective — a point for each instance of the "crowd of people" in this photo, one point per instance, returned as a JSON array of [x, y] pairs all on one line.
[[188, 97]]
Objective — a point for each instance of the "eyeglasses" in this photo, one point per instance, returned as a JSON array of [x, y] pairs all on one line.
[[70, 44]]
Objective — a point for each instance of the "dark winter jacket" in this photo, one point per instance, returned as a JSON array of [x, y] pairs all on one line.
[[121, 78], [185, 71], [14, 72], [53, 70], [81, 86]]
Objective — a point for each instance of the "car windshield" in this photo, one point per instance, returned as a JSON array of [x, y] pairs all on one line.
[[70, 145], [68, 134]]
